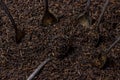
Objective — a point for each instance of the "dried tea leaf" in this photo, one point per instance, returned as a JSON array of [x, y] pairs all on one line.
[[100, 61]]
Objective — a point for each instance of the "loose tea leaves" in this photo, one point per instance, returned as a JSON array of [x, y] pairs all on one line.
[[19, 35]]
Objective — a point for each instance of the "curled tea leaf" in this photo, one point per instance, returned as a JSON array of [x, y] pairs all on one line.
[[84, 20], [48, 18], [100, 61]]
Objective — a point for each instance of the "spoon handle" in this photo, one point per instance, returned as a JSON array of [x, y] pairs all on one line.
[[6, 10], [46, 5]]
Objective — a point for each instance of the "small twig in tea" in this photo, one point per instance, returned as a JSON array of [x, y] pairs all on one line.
[[99, 20], [38, 69], [112, 45], [103, 10]]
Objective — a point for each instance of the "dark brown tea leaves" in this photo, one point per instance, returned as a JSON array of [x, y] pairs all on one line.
[[33, 33], [19, 35]]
